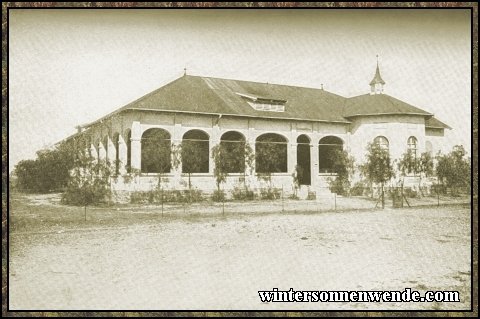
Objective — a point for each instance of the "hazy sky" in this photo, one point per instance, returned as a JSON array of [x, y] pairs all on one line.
[[70, 67]]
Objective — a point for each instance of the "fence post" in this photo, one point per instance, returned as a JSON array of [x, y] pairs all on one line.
[[383, 198], [223, 204], [335, 201], [283, 206], [438, 195]]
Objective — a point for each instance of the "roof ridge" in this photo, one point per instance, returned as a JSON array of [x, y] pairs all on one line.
[[276, 84]]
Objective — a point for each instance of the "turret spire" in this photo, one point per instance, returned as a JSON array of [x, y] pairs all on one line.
[[377, 83]]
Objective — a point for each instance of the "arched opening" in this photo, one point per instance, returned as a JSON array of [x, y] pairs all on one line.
[[327, 147], [271, 153], [234, 145], [156, 151], [303, 160], [195, 152], [382, 141], [116, 143], [100, 150], [105, 146], [128, 141]]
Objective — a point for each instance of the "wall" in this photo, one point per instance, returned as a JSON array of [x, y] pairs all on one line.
[[396, 128]]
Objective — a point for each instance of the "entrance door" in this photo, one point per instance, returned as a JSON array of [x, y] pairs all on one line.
[[303, 160]]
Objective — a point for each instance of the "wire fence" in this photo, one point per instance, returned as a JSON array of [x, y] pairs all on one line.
[[276, 199]]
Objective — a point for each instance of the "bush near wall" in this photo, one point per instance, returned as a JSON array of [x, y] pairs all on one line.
[[242, 193], [270, 193], [166, 196]]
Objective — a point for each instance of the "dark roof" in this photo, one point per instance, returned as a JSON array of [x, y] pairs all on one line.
[[376, 104], [196, 94], [377, 78], [432, 122], [230, 97]]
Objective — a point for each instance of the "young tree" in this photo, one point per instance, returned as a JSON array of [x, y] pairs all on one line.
[[270, 155], [157, 155], [193, 157], [408, 164], [231, 157], [378, 167], [453, 169], [89, 181], [425, 167], [343, 166], [419, 166]]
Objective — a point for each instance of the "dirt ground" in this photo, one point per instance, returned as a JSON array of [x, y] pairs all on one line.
[[128, 257]]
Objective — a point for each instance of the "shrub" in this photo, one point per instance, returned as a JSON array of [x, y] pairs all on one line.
[[167, 196], [358, 189], [193, 195], [293, 196], [410, 192], [89, 182], [242, 193], [48, 172], [270, 193], [139, 197], [311, 195], [218, 196]]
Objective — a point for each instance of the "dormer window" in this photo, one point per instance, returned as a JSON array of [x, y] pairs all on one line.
[[263, 103]]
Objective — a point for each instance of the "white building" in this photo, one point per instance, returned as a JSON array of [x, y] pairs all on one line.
[[305, 123]]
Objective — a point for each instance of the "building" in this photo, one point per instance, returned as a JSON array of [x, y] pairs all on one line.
[[305, 124]]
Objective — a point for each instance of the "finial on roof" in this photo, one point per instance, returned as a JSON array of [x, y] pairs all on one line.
[[184, 71], [377, 83], [321, 85]]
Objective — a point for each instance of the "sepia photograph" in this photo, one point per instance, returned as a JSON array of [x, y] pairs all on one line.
[[240, 160]]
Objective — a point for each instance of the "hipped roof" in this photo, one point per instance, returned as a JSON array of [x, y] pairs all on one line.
[[207, 95]]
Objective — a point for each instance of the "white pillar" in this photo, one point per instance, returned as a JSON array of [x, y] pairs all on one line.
[[122, 155], [176, 171], [250, 175], [136, 146], [102, 154], [292, 152], [314, 159], [111, 156], [214, 141], [93, 152]]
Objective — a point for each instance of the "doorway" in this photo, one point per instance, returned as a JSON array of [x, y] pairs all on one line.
[[303, 160]]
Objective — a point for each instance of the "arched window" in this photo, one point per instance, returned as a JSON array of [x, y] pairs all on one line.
[[327, 146], [412, 146], [156, 151], [128, 137], [116, 143], [382, 142], [195, 152], [271, 153], [234, 145]]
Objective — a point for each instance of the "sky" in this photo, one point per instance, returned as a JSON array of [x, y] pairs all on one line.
[[71, 67]]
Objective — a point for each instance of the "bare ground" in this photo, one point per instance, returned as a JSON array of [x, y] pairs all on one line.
[[195, 258]]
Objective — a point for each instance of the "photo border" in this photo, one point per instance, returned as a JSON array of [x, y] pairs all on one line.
[[472, 6]]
